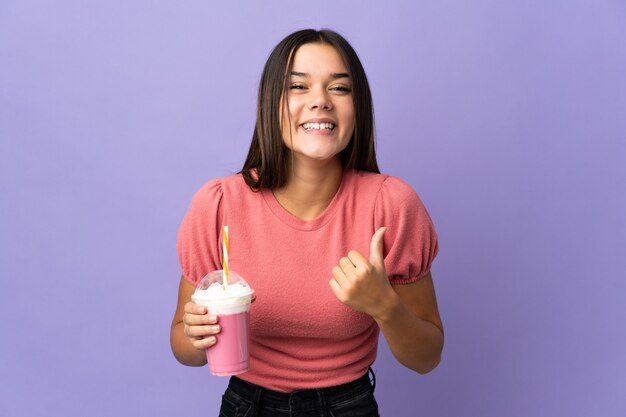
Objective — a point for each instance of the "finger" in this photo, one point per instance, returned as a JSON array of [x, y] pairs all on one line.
[[198, 314], [337, 290], [376, 248], [205, 343], [346, 265], [194, 308], [340, 277], [200, 332], [199, 319], [357, 259]]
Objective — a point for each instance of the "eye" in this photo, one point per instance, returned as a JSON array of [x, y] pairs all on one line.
[[297, 86], [341, 89]]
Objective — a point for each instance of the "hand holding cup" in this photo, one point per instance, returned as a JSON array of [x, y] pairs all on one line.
[[200, 326]]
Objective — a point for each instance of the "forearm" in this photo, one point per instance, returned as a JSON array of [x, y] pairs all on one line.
[[182, 348], [416, 343], [407, 314]]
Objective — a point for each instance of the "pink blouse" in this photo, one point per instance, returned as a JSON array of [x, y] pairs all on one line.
[[301, 335]]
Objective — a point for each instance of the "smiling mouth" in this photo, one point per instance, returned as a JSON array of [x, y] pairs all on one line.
[[318, 126]]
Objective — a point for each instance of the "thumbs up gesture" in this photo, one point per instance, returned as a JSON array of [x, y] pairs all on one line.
[[362, 284]]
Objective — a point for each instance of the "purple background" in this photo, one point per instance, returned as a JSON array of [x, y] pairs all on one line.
[[509, 118]]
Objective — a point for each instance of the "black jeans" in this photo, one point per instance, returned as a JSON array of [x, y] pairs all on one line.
[[354, 399]]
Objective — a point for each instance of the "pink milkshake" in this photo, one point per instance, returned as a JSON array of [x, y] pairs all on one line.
[[229, 356]]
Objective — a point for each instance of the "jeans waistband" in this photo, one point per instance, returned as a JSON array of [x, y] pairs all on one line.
[[330, 395]]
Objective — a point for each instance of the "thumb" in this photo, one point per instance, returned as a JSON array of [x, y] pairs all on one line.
[[376, 248]]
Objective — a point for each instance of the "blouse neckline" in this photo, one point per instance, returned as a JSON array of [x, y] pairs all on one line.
[[307, 225]]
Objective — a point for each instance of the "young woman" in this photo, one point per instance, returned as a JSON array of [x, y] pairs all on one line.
[[335, 251]]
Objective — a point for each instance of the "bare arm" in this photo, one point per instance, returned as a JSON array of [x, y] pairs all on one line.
[[193, 329], [406, 314], [412, 326]]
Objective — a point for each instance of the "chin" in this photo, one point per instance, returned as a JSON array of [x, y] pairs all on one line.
[[320, 156], [320, 153]]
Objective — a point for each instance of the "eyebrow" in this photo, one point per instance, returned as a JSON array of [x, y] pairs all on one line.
[[334, 75]]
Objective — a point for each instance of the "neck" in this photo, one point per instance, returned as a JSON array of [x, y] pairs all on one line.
[[310, 188]]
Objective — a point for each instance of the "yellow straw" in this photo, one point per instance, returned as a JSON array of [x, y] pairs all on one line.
[[225, 256]]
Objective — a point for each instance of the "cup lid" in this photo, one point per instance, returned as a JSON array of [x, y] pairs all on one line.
[[211, 287]]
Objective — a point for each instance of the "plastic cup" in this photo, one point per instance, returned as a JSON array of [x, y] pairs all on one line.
[[229, 356]]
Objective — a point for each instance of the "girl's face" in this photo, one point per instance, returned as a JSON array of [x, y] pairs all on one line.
[[321, 111]]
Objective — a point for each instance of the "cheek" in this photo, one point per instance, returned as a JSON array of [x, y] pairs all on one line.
[[349, 115], [289, 112]]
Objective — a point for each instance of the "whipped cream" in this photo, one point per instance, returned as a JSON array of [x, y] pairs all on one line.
[[235, 298], [216, 291]]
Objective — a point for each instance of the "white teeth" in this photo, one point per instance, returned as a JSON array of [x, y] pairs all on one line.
[[318, 126]]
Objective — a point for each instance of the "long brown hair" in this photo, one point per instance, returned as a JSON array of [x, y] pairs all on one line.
[[268, 161]]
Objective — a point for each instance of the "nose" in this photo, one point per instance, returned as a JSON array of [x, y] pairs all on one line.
[[320, 100]]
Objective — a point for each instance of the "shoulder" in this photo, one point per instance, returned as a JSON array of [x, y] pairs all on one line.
[[217, 187], [382, 187], [399, 191], [386, 187], [397, 199], [363, 181], [380, 181]]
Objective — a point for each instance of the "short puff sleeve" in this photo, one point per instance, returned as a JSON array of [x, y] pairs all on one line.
[[410, 242], [199, 233]]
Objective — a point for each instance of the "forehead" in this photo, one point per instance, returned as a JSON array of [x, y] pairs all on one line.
[[318, 59]]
